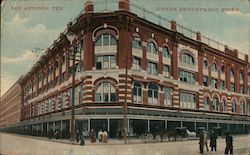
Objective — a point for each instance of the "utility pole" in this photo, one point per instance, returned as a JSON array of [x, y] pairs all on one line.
[[126, 105]]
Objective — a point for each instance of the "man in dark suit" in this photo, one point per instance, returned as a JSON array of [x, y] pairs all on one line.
[[229, 143], [201, 142]]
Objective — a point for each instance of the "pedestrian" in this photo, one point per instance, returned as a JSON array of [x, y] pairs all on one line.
[[99, 135], [77, 136], [120, 134], [105, 137], [205, 140], [201, 142], [213, 139], [82, 141], [229, 143], [92, 136]]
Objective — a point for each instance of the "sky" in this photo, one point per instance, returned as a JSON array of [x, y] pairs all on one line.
[[33, 25]]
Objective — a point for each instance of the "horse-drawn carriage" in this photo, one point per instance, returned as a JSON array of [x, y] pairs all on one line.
[[163, 135]]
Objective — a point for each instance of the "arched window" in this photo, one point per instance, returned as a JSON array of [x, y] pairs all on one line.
[[63, 100], [214, 67], [205, 64], [224, 105], [166, 52], [56, 103], [137, 92], [242, 107], [216, 104], [105, 93], [207, 103], [151, 48], [168, 96], [234, 106], [136, 43], [50, 104], [187, 58], [222, 69], [105, 40], [153, 94]]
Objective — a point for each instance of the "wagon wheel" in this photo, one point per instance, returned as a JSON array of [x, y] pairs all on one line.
[[149, 138], [142, 136]]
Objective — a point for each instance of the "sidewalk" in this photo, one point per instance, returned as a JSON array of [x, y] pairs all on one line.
[[110, 141]]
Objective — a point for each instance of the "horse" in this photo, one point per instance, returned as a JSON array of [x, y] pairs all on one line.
[[165, 133]]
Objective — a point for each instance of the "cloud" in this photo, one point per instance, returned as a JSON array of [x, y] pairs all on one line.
[[22, 33], [17, 20], [26, 56]]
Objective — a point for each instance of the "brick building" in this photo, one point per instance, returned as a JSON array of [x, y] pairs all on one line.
[[167, 79], [10, 106]]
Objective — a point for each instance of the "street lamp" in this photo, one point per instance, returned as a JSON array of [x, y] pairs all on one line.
[[71, 37]]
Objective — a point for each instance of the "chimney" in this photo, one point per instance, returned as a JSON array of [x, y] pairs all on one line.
[[124, 5], [89, 7], [198, 36], [173, 25]]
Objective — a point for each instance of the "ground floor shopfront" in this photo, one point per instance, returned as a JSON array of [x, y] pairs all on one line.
[[140, 120]]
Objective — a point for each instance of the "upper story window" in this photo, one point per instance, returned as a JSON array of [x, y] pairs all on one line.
[[136, 64], [241, 89], [188, 77], [205, 81], [214, 67], [166, 70], [136, 43], [188, 100], [63, 59], [242, 107], [222, 69], [248, 77], [216, 104], [232, 87], [234, 106], [224, 105], [137, 92], [63, 100], [187, 58], [214, 83], [205, 64], [105, 40], [165, 52], [105, 62], [232, 73], [222, 85], [241, 76], [105, 93], [207, 103], [56, 65], [153, 94], [56, 103], [48, 73], [151, 48], [168, 96], [152, 68]]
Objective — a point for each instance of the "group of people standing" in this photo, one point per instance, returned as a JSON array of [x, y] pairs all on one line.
[[213, 142], [102, 136]]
